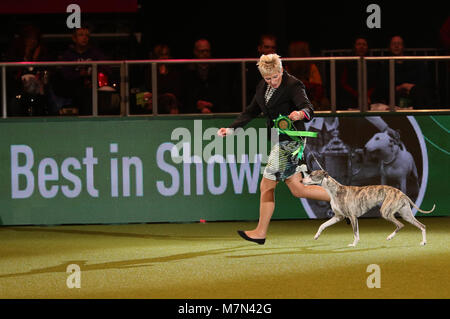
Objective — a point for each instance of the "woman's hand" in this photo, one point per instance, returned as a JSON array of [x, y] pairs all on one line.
[[297, 115], [224, 131]]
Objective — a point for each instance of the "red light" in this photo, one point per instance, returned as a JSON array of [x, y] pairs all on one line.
[[102, 80]]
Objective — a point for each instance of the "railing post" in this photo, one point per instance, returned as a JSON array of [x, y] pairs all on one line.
[[155, 88], [359, 75], [4, 108], [333, 85], [392, 85], [364, 85], [94, 90], [244, 85], [124, 90]]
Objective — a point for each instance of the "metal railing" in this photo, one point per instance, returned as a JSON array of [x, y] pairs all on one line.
[[125, 90], [384, 52]]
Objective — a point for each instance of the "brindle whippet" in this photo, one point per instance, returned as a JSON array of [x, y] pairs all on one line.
[[354, 201]]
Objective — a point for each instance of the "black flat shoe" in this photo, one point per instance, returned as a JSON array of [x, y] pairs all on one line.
[[259, 241]]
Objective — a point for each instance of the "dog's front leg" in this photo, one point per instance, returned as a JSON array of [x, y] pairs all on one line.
[[355, 227], [328, 223], [403, 184], [383, 178]]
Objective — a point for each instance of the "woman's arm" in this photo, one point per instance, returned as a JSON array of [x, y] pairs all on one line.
[[251, 111], [301, 101]]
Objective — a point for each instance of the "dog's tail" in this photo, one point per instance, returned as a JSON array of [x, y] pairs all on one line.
[[420, 210]]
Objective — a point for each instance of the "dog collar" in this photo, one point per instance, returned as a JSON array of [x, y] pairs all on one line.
[[321, 182], [394, 156]]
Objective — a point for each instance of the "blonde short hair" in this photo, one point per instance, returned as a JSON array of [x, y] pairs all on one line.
[[269, 64]]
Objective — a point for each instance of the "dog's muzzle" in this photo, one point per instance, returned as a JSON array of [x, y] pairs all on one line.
[[308, 181]]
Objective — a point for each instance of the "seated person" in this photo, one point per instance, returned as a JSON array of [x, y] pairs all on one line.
[[348, 79], [78, 80], [169, 82], [28, 87], [205, 84], [412, 80], [267, 44], [308, 73]]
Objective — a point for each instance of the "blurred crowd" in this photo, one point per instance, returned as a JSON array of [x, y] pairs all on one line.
[[207, 87]]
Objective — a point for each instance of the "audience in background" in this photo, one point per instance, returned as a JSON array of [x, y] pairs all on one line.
[[412, 79], [207, 87], [308, 73], [78, 84], [348, 78], [444, 35], [28, 86], [168, 83], [205, 84], [267, 44], [444, 70]]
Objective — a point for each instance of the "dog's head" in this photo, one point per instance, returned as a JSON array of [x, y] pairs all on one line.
[[383, 141], [315, 178]]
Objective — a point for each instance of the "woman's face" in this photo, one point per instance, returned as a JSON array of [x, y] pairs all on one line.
[[274, 80]]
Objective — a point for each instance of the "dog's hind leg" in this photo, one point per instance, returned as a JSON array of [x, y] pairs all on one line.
[[354, 221], [387, 211], [407, 215], [397, 223], [328, 223]]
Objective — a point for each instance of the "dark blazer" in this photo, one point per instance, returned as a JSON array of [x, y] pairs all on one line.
[[290, 96]]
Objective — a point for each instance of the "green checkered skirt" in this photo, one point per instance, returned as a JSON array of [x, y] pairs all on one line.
[[281, 163]]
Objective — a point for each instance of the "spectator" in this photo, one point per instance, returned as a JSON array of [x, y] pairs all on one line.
[[205, 84], [168, 83], [28, 46], [28, 87], [267, 44], [444, 35], [412, 79], [308, 73], [348, 78], [78, 80]]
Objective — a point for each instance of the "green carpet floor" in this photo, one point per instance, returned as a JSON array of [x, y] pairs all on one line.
[[175, 261]]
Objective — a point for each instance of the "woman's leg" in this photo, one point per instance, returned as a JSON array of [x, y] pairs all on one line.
[[306, 191], [266, 208]]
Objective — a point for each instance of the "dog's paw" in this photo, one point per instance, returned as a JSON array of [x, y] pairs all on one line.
[[351, 245], [316, 237], [423, 243]]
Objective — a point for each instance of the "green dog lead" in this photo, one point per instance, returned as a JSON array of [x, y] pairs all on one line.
[[284, 125]]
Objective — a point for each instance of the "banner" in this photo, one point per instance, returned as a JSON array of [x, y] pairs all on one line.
[[176, 169]]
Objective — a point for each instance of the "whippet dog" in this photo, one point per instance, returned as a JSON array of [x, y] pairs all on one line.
[[354, 201]]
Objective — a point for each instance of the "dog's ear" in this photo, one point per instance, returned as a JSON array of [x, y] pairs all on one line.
[[393, 134], [394, 137]]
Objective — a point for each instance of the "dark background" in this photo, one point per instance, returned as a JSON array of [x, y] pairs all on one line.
[[233, 27]]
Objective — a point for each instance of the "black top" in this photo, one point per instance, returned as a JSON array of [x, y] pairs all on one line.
[[290, 96]]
